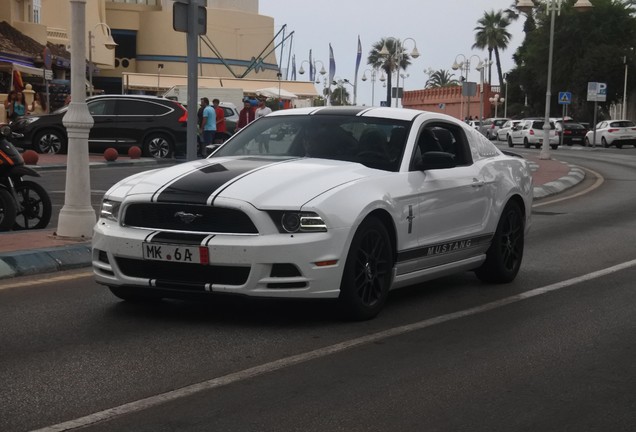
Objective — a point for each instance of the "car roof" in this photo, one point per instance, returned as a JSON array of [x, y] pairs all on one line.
[[384, 112]]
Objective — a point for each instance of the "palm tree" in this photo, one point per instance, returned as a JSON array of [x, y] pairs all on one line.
[[492, 34], [440, 78], [339, 96], [396, 60]]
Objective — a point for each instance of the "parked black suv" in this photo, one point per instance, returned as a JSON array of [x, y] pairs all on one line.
[[157, 125]]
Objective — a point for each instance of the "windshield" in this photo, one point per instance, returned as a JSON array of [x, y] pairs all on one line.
[[374, 142]]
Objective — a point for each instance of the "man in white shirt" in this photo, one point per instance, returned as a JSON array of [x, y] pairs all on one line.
[[261, 111]]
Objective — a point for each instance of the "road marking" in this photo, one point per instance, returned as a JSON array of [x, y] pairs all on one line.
[[599, 181], [286, 362], [45, 281]]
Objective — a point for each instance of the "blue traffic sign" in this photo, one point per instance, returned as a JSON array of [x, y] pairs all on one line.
[[565, 98]]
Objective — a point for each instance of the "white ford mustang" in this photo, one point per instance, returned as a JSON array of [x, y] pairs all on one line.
[[344, 203]]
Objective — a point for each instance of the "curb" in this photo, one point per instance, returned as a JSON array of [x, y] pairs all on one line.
[[574, 177], [99, 165], [23, 263]]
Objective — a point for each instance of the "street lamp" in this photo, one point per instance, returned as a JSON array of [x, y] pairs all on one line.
[[373, 76], [396, 59], [312, 64], [496, 101], [552, 7], [279, 76], [624, 113], [464, 65], [159, 67], [109, 44]]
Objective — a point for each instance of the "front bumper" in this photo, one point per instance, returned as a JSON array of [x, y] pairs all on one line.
[[274, 265]]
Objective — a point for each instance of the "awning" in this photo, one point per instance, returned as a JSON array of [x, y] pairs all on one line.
[[152, 82], [274, 92], [29, 70]]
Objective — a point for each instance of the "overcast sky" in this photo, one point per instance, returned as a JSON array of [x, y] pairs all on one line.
[[442, 29]]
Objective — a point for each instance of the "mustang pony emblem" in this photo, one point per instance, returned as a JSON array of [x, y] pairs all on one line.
[[187, 217]]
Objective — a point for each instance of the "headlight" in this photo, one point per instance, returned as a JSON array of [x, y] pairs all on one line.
[[110, 210], [298, 222]]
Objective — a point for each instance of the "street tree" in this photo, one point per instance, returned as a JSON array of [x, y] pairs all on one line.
[[397, 59], [440, 78], [588, 47], [492, 34], [339, 96]]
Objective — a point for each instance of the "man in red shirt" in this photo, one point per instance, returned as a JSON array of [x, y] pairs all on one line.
[[221, 128], [246, 115]]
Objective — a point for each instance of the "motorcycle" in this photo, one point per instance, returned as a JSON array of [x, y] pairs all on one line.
[[24, 204]]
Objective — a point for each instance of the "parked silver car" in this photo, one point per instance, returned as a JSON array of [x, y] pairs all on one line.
[[490, 126]]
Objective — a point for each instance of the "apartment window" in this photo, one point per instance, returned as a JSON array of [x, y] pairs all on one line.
[[36, 11]]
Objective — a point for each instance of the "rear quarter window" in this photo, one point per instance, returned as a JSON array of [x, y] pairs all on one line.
[[141, 108]]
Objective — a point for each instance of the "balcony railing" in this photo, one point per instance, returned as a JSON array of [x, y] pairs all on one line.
[[138, 2]]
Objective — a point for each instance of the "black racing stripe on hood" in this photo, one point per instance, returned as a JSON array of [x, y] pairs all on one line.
[[197, 186]]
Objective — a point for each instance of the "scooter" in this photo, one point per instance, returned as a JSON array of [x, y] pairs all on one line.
[[24, 204]]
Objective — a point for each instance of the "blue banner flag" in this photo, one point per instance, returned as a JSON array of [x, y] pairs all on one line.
[[355, 77], [332, 65]]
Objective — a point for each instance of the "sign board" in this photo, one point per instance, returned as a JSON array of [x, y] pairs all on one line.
[[469, 89], [596, 92], [48, 74], [384, 104], [565, 98], [180, 18], [397, 90]]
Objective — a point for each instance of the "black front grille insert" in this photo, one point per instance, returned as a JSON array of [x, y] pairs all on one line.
[[180, 272], [188, 217]]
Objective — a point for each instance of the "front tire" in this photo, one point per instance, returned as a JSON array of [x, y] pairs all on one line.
[[50, 141], [503, 258], [7, 210], [35, 204], [510, 144], [367, 274], [604, 142], [526, 144], [158, 146]]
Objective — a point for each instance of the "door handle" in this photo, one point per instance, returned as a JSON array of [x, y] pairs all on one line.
[[478, 183]]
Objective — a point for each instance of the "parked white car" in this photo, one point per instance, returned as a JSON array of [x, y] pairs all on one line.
[[344, 203], [505, 129], [530, 133], [490, 126], [613, 132]]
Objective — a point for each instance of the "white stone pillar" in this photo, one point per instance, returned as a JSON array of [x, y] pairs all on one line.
[[77, 216]]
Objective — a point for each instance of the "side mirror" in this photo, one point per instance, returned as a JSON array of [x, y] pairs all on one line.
[[437, 160]]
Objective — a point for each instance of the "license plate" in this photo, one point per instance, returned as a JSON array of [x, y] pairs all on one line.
[[576, 139], [626, 137], [176, 253]]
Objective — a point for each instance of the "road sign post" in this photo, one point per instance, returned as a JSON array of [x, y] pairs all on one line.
[[596, 92]]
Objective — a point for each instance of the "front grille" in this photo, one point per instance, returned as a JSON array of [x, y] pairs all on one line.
[[186, 273], [165, 216]]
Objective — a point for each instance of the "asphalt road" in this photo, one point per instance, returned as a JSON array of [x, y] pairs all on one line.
[[553, 350]]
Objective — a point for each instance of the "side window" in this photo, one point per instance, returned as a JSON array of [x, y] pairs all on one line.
[[227, 112], [443, 137], [103, 107], [140, 108]]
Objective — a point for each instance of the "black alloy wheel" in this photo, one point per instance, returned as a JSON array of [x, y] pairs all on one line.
[[7, 210], [158, 145], [34, 206], [50, 141], [367, 274], [503, 258]]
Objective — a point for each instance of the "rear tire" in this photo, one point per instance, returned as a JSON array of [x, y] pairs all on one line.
[[604, 142], [503, 258], [36, 206], [510, 144], [158, 146], [526, 144], [50, 141], [7, 210], [367, 274]]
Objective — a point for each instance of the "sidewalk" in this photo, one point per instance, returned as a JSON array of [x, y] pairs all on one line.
[[40, 251]]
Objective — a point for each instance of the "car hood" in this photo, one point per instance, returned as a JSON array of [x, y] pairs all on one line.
[[266, 183]]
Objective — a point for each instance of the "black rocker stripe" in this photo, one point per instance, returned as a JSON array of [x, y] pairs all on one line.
[[443, 248], [196, 187]]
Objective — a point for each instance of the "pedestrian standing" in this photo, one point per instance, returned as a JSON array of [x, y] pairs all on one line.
[[208, 125], [246, 115], [8, 104], [221, 128], [19, 106], [261, 111], [38, 107]]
